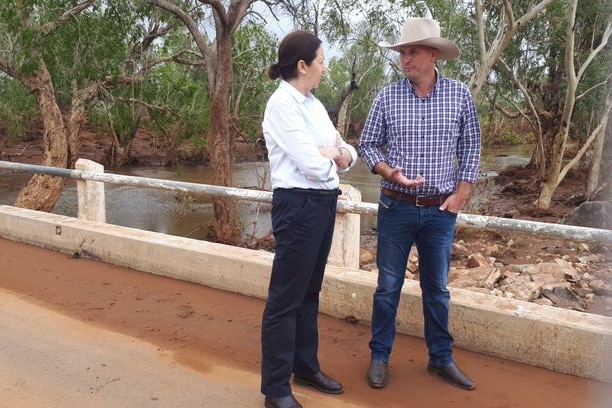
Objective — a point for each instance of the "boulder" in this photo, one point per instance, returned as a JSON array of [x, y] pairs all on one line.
[[592, 214]]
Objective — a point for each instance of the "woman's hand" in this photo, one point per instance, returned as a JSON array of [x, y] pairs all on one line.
[[338, 154]]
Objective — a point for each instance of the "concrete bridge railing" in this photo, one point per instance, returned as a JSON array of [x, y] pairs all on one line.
[[562, 340], [91, 177]]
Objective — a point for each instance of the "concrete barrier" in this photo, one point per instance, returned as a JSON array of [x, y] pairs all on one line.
[[561, 340]]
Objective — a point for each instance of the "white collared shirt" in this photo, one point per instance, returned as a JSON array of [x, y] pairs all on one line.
[[295, 126]]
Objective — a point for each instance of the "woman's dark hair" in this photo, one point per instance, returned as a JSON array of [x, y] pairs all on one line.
[[296, 46]]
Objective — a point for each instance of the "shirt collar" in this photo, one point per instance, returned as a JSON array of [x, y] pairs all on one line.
[[436, 83], [297, 95]]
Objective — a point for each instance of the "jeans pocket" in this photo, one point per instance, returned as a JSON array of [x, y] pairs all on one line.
[[386, 202]]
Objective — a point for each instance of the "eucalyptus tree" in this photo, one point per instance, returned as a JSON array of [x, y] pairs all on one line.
[[212, 24], [254, 49], [64, 52], [24, 28], [540, 78], [496, 28], [586, 55], [17, 109]]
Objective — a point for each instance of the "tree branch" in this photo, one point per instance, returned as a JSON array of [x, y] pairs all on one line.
[[604, 41], [207, 51], [602, 122], [64, 18]]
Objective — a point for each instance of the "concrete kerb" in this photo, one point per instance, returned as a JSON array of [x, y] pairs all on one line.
[[560, 340]]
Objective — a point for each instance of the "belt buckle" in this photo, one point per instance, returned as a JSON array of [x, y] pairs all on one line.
[[418, 198]]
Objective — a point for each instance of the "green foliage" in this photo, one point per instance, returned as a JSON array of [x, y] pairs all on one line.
[[17, 108], [596, 83], [93, 46], [254, 49], [183, 91], [501, 131]]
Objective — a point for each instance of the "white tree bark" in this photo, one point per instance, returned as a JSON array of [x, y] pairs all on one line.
[[555, 172], [490, 53]]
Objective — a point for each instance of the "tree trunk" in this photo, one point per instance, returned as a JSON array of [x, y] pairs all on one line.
[[222, 142], [551, 179], [592, 183], [76, 118], [42, 191]]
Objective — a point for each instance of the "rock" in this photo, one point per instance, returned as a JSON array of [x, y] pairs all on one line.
[[583, 292], [592, 214], [411, 276], [564, 297], [543, 301], [589, 258], [492, 250], [600, 287], [520, 287], [548, 272], [460, 251], [477, 260], [365, 257], [484, 277], [588, 277], [492, 279]]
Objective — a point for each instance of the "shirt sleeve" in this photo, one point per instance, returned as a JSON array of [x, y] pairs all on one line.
[[287, 127], [373, 137], [353, 152], [468, 145]]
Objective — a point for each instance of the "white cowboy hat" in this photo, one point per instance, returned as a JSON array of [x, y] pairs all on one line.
[[424, 31]]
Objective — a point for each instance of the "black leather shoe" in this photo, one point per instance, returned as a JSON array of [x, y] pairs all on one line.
[[377, 374], [320, 381], [453, 375], [283, 402]]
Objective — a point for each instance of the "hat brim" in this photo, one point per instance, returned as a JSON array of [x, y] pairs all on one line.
[[446, 49]]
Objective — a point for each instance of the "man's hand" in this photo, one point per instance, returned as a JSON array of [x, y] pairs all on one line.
[[398, 178], [395, 176], [460, 197]]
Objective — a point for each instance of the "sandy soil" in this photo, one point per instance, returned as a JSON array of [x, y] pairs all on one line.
[[197, 324]]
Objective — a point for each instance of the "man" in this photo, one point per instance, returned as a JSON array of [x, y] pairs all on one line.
[[423, 138]]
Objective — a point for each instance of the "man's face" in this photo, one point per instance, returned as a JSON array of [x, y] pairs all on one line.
[[417, 60]]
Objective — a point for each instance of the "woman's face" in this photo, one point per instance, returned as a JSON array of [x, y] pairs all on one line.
[[315, 70]]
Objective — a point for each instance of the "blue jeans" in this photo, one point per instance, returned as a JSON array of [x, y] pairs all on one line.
[[400, 225]]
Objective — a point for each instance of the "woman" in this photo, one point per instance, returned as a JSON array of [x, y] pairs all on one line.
[[306, 153]]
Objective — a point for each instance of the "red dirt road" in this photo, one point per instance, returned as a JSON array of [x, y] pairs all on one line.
[[197, 325]]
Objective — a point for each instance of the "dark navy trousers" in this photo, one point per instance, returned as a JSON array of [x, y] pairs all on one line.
[[303, 225]]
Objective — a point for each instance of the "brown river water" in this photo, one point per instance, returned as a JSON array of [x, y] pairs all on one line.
[[176, 214]]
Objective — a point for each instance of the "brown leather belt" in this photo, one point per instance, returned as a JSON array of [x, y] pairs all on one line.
[[419, 201]]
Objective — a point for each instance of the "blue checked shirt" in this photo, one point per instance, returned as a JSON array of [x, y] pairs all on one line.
[[437, 136]]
